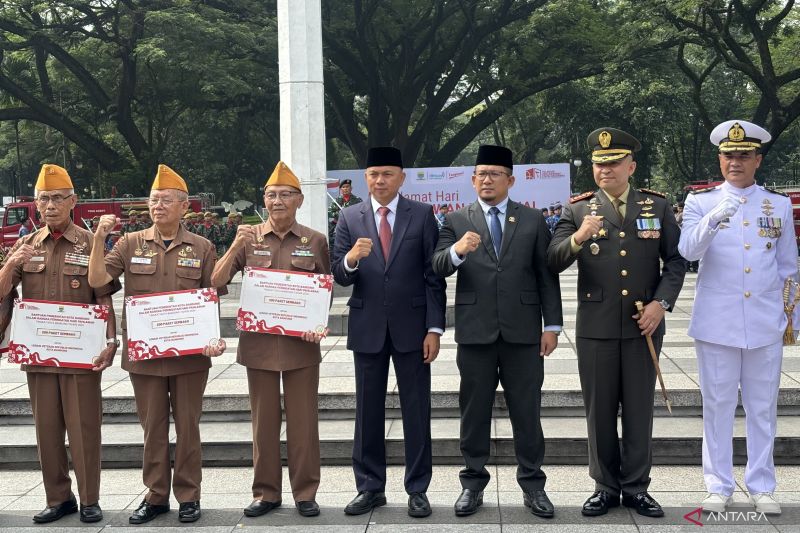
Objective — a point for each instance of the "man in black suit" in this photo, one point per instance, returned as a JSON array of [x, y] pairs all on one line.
[[504, 289], [620, 237], [383, 249]]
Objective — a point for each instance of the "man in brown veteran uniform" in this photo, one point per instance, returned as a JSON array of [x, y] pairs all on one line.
[[164, 257], [281, 243], [52, 264]]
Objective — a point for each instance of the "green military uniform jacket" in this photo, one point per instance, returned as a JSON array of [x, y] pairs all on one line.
[[623, 264]]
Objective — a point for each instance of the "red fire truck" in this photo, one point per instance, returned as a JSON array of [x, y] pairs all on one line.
[[24, 210]]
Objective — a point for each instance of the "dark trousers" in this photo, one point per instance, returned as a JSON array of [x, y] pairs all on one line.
[[613, 373], [369, 450], [521, 371]]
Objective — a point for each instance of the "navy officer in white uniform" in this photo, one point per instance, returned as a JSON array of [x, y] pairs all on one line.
[[743, 236]]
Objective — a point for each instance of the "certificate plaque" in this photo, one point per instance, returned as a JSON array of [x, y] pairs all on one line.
[[283, 302], [62, 334], [171, 324]]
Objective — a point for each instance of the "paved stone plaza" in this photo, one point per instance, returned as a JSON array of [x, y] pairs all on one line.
[[677, 477]]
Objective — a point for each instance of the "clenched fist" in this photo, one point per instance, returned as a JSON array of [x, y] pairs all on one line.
[[361, 249], [468, 243], [104, 227], [245, 233], [591, 225], [21, 255]]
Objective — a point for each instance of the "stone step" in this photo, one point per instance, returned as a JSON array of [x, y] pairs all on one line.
[[677, 440]]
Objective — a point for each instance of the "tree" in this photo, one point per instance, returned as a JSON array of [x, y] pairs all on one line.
[[758, 39], [117, 78]]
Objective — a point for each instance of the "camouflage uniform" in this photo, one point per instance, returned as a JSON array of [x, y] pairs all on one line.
[[333, 212]]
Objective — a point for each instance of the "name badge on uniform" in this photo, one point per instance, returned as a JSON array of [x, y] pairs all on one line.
[[76, 259], [769, 227], [258, 251], [191, 263], [648, 228], [302, 253], [141, 260], [37, 258]]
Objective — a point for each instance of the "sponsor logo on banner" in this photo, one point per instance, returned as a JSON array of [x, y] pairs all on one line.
[[543, 174], [455, 174], [435, 176], [420, 175]]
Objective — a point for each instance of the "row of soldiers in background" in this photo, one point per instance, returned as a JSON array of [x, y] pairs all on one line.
[[551, 216], [136, 222], [209, 226]]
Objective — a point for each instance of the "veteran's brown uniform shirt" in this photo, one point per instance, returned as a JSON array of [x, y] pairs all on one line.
[[303, 250], [58, 272], [162, 274]]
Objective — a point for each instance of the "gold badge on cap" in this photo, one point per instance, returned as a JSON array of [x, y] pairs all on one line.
[[604, 139], [736, 133]]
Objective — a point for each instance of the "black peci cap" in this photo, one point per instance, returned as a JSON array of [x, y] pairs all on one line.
[[489, 154], [384, 156]]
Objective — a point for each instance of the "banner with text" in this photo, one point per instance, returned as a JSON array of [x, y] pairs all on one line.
[[535, 186]]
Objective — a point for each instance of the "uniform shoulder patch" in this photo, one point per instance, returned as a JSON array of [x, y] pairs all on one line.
[[773, 191], [701, 191], [582, 196], [654, 193]]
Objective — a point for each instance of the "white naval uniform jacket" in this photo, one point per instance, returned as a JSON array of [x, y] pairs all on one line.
[[739, 294]]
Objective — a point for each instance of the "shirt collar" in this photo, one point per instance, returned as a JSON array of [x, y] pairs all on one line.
[[622, 197], [266, 228], [70, 233], [501, 206], [731, 189], [391, 205]]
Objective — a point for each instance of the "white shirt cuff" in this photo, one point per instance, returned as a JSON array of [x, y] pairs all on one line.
[[554, 329], [438, 331], [347, 267], [454, 257]]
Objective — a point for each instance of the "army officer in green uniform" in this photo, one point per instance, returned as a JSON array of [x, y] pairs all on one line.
[[619, 236]]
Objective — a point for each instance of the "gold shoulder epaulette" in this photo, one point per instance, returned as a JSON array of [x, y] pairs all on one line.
[[655, 193], [582, 196], [700, 191], [773, 191]]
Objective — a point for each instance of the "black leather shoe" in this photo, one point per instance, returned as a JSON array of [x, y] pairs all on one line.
[[91, 513], [308, 508], [260, 507], [189, 511], [365, 502], [146, 512], [599, 503], [418, 505], [51, 514], [644, 504], [539, 503], [468, 502]]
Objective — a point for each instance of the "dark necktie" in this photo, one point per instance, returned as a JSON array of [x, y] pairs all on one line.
[[385, 232], [496, 230], [617, 203]]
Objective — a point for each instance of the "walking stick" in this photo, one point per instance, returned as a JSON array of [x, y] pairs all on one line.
[[640, 308]]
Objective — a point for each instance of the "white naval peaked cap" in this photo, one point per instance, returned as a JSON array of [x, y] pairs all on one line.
[[739, 136]]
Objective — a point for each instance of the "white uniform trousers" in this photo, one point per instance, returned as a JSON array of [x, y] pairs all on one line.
[[723, 369]]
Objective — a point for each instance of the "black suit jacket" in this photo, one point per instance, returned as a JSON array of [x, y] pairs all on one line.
[[627, 259], [402, 294], [508, 295]]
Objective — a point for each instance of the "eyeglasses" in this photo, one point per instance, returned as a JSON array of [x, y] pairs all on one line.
[[57, 199], [166, 202], [283, 195], [493, 174]]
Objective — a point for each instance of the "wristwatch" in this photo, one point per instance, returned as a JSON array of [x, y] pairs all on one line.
[[114, 341], [664, 304]]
